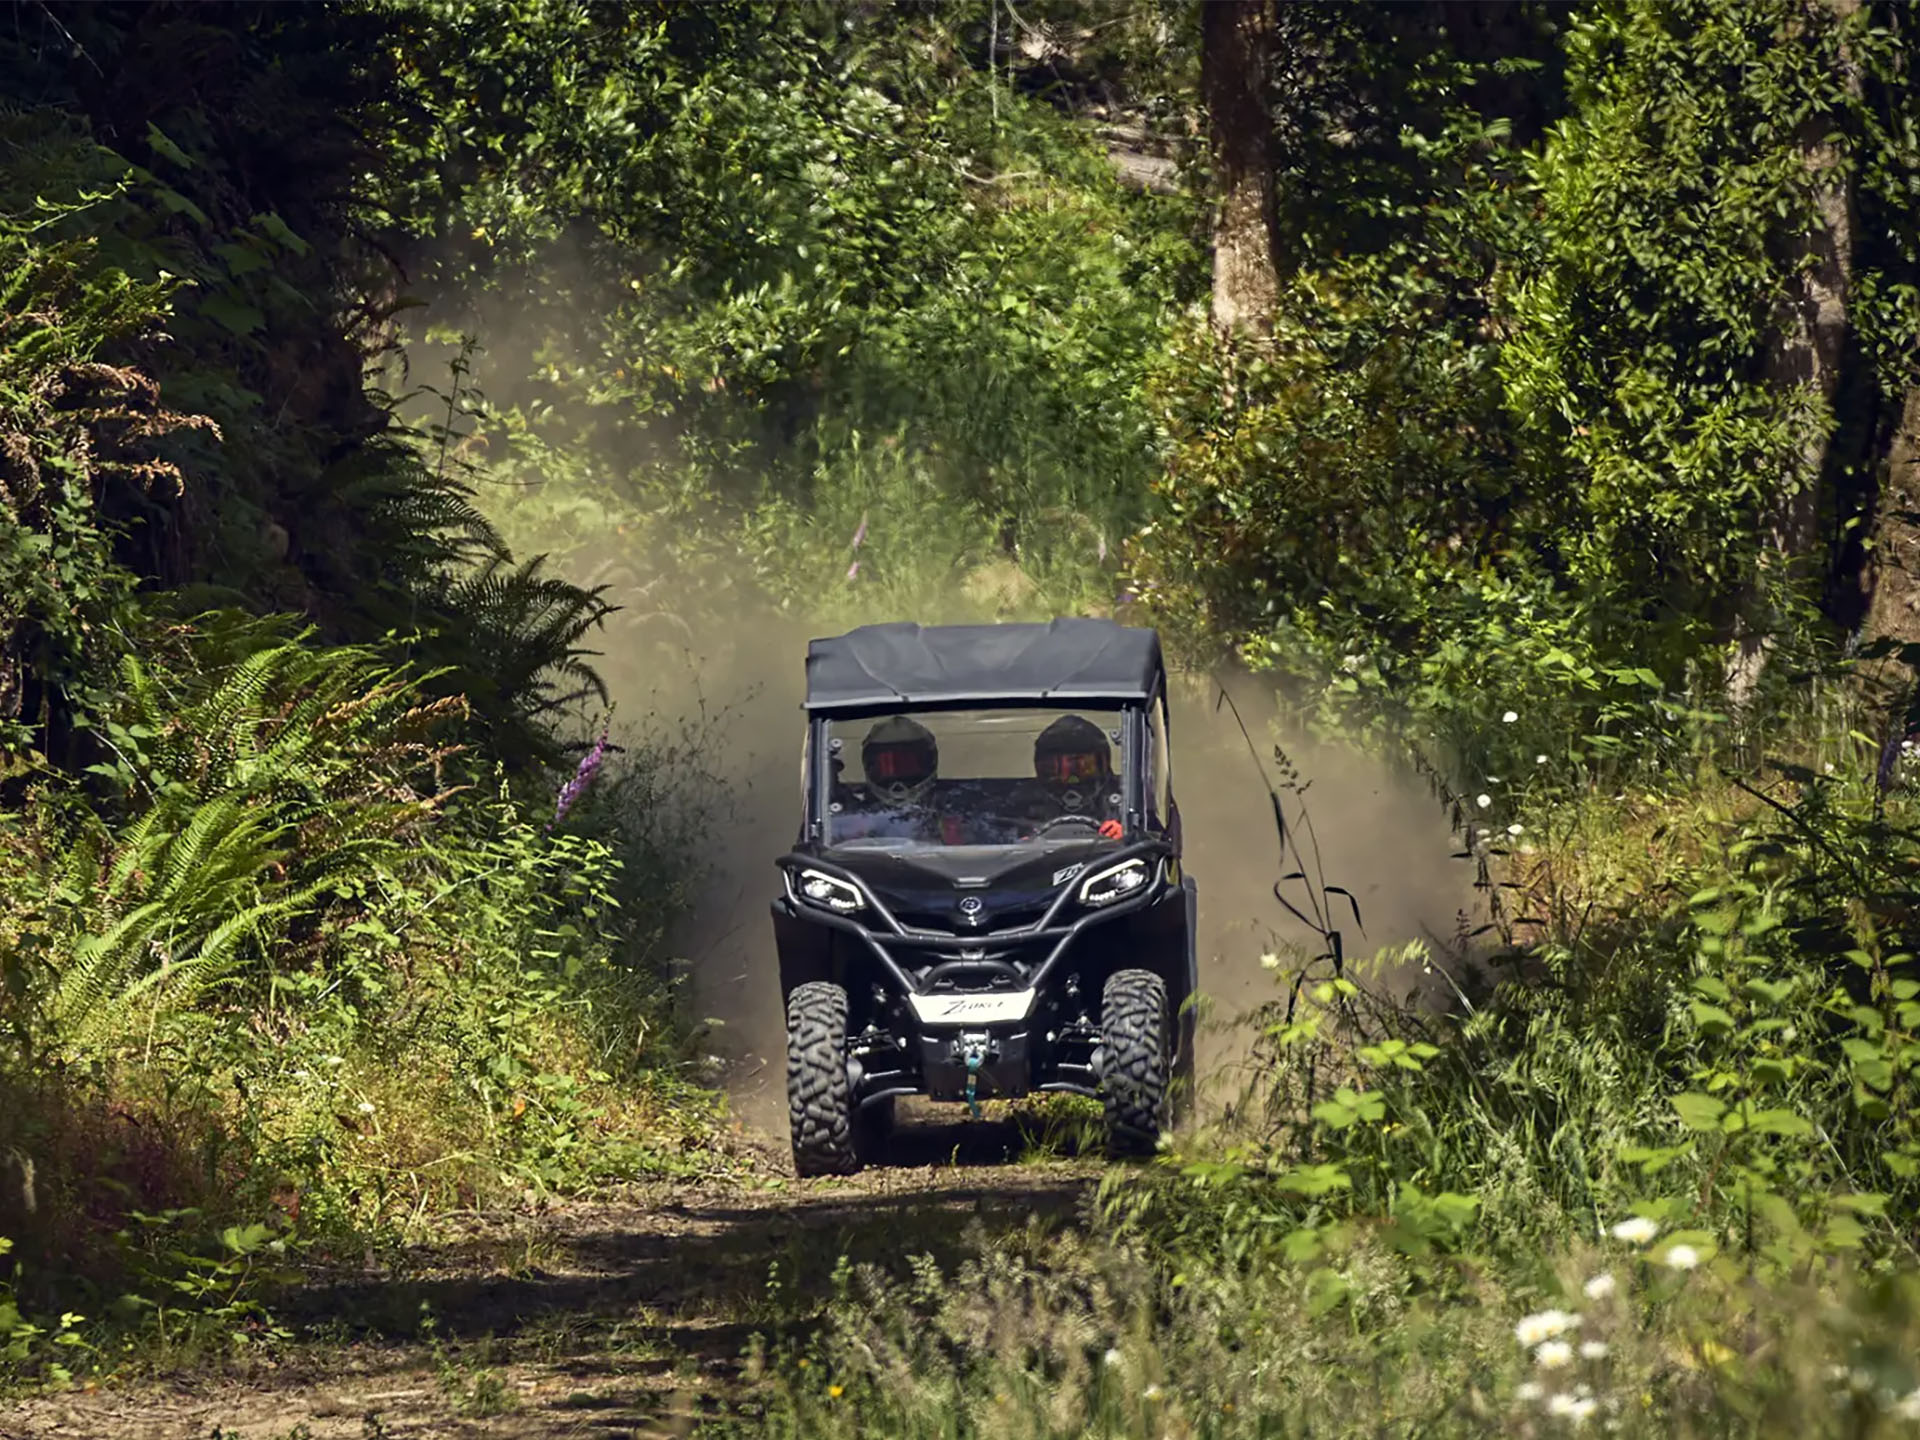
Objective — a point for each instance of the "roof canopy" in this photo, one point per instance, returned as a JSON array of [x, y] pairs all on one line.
[[888, 666]]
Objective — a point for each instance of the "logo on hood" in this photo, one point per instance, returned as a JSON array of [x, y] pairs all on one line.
[[1060, 877]]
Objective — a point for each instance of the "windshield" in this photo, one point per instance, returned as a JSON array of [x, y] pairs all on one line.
[[975, 777]]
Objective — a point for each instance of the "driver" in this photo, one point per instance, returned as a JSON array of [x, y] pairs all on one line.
[[1072, 762]]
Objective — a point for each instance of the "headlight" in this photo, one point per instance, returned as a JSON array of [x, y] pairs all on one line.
[[829, 893], [1116, 882]]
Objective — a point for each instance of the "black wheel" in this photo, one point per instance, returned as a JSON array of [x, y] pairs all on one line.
[[819, 1094], [1133, 1035]]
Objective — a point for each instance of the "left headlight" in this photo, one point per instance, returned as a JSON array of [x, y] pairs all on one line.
[[829, 892], [1116, 882]]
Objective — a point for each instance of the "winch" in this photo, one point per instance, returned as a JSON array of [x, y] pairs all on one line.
[[973, 1048]]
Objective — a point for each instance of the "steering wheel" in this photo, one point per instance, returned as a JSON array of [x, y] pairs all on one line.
[[1044, 826]]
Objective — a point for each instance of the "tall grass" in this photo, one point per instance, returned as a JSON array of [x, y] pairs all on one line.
[[1648, 1174]]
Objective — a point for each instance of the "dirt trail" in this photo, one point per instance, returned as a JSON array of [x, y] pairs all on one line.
[[627, 1316]]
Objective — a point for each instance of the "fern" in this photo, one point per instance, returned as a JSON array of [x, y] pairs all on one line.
[[256, 790]]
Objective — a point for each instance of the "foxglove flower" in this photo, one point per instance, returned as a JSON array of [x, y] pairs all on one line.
[[582, 777]]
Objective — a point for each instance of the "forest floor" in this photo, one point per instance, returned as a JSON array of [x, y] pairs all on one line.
[[625, 1315]]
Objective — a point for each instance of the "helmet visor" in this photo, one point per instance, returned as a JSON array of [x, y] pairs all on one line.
[[899, 764], [1064, 767]]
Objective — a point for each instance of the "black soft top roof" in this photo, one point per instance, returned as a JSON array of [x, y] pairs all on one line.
[[887, 666]]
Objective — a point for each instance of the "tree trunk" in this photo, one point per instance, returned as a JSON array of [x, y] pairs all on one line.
[[1893, 565], [1891, 580], [1810, 331], [1236, 41]]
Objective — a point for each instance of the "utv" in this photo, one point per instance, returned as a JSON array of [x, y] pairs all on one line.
[[986, 897]]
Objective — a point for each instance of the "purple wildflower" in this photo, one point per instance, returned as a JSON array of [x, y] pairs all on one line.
[[860, 534], [1889, 767], [853, 569], [582, 776]]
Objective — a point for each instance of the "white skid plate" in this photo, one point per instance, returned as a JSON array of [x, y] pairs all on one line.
[[972, 1009]]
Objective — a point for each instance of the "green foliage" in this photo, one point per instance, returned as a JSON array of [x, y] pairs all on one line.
[[1641, 326], [66, 417], [889, 286], [1520, 430]]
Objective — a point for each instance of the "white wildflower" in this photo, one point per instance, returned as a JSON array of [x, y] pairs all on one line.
[[1682, 1257], [303, 1075], [331, 1061], [1152, 1392], [1571, 1407], [1516, 829], [1637, 1231], [1269, 961], [366, 1107], [1593, 1350], [1528, 1391], [1545, 1325], [1907, 1407], [1483, 801], [1599, 1287], [1554, 1355], [1113, 1357], [1539, 759], [1509, 717]]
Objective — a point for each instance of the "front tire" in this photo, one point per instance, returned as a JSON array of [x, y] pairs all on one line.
[[819, 1092], [1133, 1035]]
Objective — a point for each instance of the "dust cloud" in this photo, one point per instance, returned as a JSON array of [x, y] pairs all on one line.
[[708, 660], [1358, 824]]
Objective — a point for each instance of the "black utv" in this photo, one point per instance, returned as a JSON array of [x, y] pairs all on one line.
[[986, 898]]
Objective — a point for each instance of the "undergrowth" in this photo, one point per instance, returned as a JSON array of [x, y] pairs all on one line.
[[300, 951], [1650, 1169]]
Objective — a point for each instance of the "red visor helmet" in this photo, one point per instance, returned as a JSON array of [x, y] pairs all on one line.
[[1072, 751], [900, 758]]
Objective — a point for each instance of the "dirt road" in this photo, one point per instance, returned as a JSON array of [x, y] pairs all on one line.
[[628, 1316]]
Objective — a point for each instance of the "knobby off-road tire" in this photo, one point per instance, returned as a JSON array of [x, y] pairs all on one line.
[[1134, 1035], [819, 1094]]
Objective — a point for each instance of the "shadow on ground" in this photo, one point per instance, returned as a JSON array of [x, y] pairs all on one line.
[[736, 1258]]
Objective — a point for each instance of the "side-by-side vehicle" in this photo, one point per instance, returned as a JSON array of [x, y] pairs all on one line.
[[986, 897]]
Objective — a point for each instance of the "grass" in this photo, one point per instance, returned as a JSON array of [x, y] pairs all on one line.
[[1051, 1336]]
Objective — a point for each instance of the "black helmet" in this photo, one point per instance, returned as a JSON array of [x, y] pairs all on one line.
[[900, 758], [1071, 751]]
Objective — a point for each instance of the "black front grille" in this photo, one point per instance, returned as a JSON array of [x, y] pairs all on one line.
[[947, 920]]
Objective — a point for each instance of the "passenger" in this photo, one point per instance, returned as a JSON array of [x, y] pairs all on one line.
[[901, 761]]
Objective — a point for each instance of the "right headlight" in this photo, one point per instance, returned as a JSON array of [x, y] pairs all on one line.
[[1116, 882], [829, 892]]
